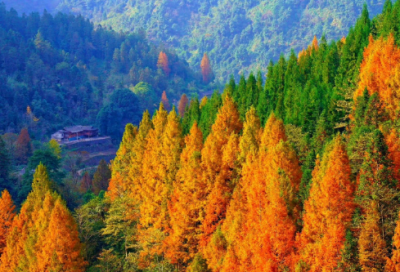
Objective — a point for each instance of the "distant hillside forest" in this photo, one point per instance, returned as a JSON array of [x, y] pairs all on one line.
[[61, 70], [239, 35]]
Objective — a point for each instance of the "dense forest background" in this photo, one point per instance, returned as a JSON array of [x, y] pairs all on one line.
[[240, 36], [60, 70]]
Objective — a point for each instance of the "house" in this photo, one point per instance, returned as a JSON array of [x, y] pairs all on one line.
[[75, 133]]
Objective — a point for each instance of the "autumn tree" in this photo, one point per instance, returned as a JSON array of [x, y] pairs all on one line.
[[232, 230], [23, 146], [392, 140], [393, 264], [120, 165], [62, 249], [372, 246], [216, 173], [6, 217], [206, 69], [380, 73], [271, 182], [44, 235], [55, 147], [183, 102], [251, 138], [165, 101], [163, 63], [160, 164], [182, 243], [329, 209], [101, 177]]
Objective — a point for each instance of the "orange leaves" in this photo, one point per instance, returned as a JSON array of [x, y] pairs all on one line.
[[61, 247], [165, 101], [307, 52], [380, 73], [393, 143], [259, 231], [206, 69], [183, 102], [393, 264], [328, 211], [6, 217], [163, 63]]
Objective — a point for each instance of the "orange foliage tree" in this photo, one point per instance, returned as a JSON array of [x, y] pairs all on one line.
[[328, 211], [183, 102], [163, 63], [393, 264], [165, 101], [6, 217], [206, 69], [271, 183], [23, 146], [393, 142], [380, 73]]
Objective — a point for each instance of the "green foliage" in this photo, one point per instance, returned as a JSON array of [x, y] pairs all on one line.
[[238, 35], [67, 70], [5, 167], [123, 108], [46, 158], [101, 177]]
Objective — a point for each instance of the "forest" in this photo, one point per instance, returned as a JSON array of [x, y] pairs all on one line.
[[62, 70], [297, 170], [239, 35]]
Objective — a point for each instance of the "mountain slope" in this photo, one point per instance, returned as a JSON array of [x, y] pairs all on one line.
[[59, 70], [238, 35]]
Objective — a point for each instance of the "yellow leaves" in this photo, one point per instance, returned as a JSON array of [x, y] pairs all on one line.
[[250, 140], [44, 235], [274, 132], [371, 245], [6, 217], [55, 147]]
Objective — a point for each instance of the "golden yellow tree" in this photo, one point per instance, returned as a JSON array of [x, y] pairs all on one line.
[[160, 165], [371, 245], [6, 217], [184, 207]]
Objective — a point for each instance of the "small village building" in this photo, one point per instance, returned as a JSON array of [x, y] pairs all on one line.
[[75, 133]]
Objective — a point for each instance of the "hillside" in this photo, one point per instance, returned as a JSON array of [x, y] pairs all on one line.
[[240, 36], [24, 6], [297, 171], [59, 70]]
